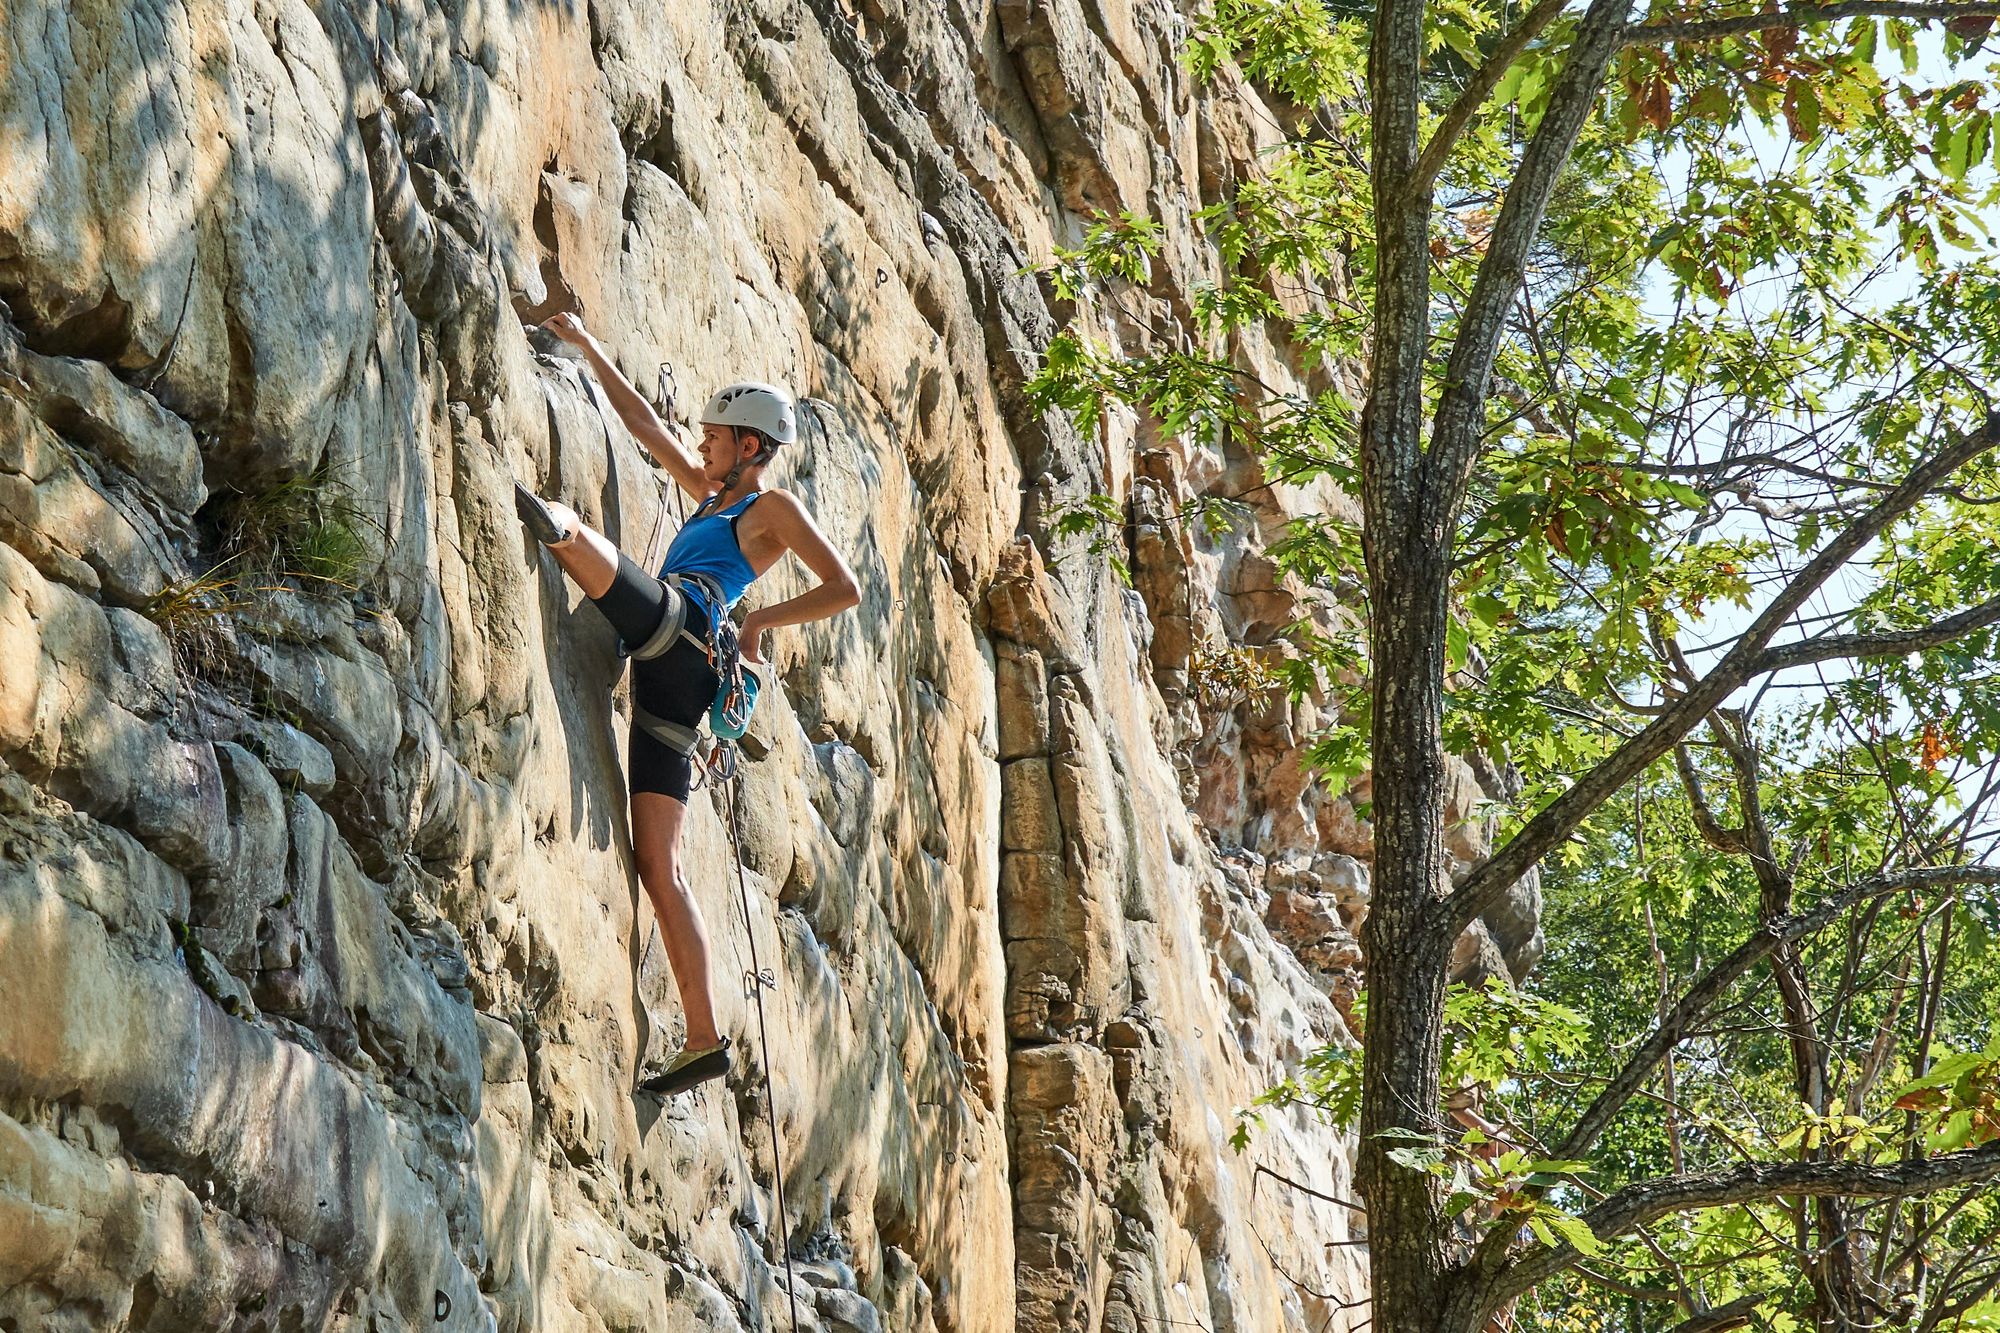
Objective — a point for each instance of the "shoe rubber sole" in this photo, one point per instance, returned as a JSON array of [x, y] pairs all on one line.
[[541, 523], [681, 1077]]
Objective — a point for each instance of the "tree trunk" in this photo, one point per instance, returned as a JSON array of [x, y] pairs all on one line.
[[1410, 955], [1406, 1226]]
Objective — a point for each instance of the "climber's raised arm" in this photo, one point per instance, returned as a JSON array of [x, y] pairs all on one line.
[[661, 438], [781, 521]]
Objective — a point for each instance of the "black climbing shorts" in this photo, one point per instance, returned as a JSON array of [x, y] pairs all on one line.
[[678, 685]]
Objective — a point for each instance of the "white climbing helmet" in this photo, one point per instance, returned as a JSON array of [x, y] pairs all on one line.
[[764, 408]]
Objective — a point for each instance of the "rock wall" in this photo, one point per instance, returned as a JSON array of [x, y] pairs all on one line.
[[327, 975]]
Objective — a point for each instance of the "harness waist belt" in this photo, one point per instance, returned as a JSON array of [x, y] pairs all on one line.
[[673, 625]]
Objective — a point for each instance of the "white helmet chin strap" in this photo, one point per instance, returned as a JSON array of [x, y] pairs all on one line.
[[765, 453]]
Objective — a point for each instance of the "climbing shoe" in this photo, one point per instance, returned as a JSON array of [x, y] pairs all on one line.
[[541, 520], [688, 1069]]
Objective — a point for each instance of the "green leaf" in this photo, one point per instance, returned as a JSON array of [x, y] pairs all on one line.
[[1688, 496], [1710, 102], [1861, 39], [1429, 1161], [1575, 1231], [1457, 645], [1902, 40], [1802, 110], [1397, 1134], [1957, 155], [1459, 1201], [1954, 1134], [1561, 1165], [1945, 1072]]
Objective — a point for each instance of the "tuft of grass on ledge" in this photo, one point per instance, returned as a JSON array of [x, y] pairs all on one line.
[[308, 528]]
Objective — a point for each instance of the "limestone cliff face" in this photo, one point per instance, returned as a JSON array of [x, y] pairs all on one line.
[[324, 967]]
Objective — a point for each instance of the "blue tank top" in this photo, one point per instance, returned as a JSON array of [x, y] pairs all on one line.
[[706, 544]]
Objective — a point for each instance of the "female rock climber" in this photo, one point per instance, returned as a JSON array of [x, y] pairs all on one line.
[[737, 532]]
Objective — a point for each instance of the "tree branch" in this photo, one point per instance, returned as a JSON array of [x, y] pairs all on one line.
[[1474, 95], [1752, 1182], [1894, 643], [1459, 425], [1724, 1317], [1282, 1179], [1704, 30], [1562, 816], [1703, 995], [1705, 823]]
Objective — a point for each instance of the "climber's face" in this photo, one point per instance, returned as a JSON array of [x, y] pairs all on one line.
[[721, 449]]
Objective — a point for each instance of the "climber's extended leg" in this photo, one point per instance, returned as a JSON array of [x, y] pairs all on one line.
[[656, 831]]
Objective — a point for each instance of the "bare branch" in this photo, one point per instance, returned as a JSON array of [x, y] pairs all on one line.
[[1711, 829], [1724, 1317], [1562, 816], [1894, 643], [1474, 95], [1282, 1179], [1752, 1182], [1704, 30]]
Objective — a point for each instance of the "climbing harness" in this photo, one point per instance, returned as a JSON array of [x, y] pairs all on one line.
[[729, 717], [721, 765], [736, 692]]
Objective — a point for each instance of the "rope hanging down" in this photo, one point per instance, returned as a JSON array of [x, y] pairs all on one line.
[[721, 767]]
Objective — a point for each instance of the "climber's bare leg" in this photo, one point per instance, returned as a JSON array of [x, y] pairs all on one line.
[[589, 558], [656, 837]]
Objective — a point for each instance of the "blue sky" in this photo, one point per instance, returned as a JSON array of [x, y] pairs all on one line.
[[1775, 149]]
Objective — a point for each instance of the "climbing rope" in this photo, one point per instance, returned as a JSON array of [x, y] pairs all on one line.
[[721, 767], [668, 409]]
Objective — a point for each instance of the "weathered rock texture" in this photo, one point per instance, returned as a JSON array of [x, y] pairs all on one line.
[[326, 975]]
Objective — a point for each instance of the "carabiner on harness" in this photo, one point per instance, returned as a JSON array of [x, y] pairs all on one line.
[[718, 765]]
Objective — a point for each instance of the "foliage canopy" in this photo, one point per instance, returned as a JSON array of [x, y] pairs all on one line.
[[1683, 329]]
